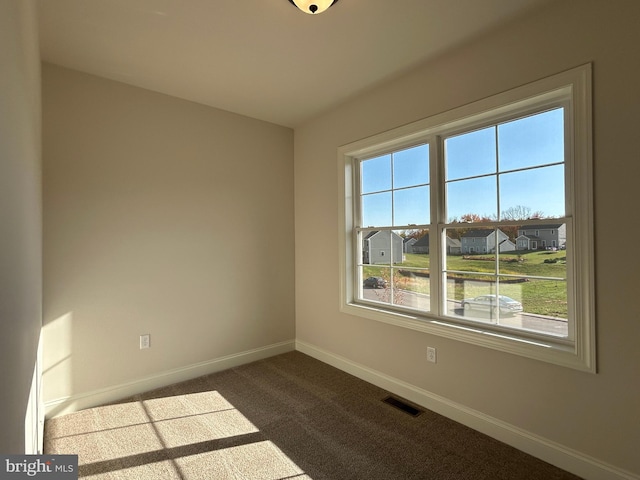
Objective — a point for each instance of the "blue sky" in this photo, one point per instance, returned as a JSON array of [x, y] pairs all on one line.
[[409, 171], [535, 141], [522, 159]]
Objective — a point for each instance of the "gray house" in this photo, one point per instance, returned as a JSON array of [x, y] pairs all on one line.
[[422, 245], [539, 237], [377, 247], [408, 244], [485, 241], [454, 246]]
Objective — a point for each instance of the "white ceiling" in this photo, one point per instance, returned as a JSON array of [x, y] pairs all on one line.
[[260, 58]]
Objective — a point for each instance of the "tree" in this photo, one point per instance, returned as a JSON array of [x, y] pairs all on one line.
[[515, 213], [474, 217], [520, 212], [458, 233], [417, 234]]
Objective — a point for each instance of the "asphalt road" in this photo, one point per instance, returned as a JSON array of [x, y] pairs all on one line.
[[420, 301]]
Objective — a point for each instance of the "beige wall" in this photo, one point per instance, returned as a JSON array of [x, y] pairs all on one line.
[[163, 217], [20, 220], [597, 415]]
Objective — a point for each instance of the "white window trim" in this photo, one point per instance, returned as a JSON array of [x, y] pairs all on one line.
[[579, 354]]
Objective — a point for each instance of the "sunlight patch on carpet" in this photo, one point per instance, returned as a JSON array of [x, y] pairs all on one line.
[[262, 460], [189, 436]]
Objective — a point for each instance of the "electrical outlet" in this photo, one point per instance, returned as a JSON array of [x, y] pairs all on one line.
[[431, 354], [145, 341]]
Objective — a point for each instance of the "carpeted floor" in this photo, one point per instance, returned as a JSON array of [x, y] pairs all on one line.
[[287, 417]]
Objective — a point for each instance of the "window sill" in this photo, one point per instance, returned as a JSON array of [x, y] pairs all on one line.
[[550, 350]]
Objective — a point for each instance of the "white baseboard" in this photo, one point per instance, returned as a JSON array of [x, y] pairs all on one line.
[[551, 452], [73, 403]]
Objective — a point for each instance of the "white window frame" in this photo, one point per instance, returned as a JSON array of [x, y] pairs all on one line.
[[575, 85]]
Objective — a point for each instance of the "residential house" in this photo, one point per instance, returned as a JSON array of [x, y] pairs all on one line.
[[540, 237], [454, 246], [382, 247], [408, 244], [422, 245], [485, 241]]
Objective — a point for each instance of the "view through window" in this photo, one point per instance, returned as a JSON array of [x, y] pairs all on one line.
[[510, 270], [471, 222]]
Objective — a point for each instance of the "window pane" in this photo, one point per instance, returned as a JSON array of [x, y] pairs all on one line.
[[470, 297], [411, 206], [538, 191], [411, 277], [411, 167], [376, 210], [546, 300], [405, 284], [467, 274], [375, 270], [376, 174], [531, 141], [464, 246], [375, 283], [544, 304], [476, 197], [411, 289], [470, 154], [524, 302]]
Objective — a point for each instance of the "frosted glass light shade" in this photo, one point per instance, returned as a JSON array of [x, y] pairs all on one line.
[[313, 6]]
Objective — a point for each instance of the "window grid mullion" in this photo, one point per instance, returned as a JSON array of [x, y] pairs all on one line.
[[498, 214], [438, 211], [393, 191]]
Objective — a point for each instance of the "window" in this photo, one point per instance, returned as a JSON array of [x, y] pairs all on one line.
[[478, 189]]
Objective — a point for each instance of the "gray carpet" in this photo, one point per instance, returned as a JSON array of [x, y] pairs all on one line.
[[287, 417]]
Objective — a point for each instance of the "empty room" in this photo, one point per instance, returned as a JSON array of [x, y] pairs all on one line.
[[278, 239]]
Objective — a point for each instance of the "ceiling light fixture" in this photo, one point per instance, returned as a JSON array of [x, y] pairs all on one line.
[[313, 6]]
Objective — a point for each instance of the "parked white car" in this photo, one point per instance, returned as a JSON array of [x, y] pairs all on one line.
[[506, 305]]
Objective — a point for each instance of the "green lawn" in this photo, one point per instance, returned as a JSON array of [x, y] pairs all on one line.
[[544, 297]]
